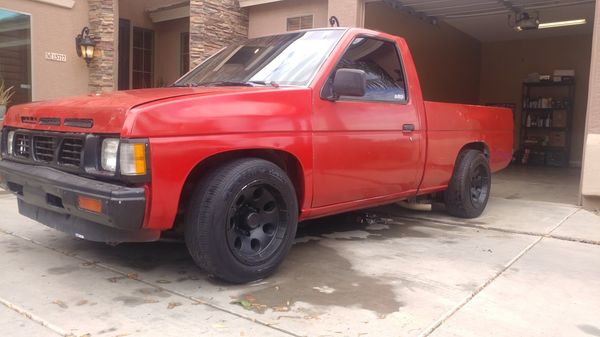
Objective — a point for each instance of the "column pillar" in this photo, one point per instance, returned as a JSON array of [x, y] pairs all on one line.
[[590, 175], [215, 24], [104, 26]]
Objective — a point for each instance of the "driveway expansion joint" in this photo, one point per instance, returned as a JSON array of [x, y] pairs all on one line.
[[510, 231], [34, 318]]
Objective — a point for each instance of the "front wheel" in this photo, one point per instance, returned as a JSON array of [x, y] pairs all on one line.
[[242, 220], [469, 189]]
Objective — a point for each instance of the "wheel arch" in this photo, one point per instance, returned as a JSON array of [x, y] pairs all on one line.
[[476, 145], [285, 160]]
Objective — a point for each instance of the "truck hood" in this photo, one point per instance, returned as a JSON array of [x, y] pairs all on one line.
[[98, 113]]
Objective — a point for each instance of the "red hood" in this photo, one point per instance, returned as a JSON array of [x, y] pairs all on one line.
[[107, 111]]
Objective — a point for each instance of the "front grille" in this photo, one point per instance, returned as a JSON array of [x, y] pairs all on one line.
[[71, 151], [43, 148], [22, 145], [49, 148]]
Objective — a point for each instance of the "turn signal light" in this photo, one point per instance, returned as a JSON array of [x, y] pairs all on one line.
[[89, 204], [133, 159]]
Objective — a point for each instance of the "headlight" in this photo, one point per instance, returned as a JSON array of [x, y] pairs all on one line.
[[108, 157], [9, 142], [133, 159]]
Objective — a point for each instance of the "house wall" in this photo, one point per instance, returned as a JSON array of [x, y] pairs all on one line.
[[136, 11], [447, 60], [504, 66], [272, 17], [53, 29]]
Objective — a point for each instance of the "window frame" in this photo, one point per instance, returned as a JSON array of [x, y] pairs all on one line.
[[405, 101], [152, 51], [287, 19]]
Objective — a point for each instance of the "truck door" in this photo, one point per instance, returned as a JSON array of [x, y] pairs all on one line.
[[371, 146]]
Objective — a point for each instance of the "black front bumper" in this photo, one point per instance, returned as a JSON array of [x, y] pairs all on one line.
[[50, 197]]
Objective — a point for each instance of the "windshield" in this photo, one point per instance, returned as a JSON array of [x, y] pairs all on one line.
[[289, 59]]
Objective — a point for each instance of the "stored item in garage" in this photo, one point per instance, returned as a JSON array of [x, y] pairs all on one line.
[[546, 119]]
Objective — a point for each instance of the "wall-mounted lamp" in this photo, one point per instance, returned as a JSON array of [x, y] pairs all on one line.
[[85, 45]]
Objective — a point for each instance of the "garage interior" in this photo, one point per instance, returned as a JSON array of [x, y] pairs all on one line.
[[491, 53]]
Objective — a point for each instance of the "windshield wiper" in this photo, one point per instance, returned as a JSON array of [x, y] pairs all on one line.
[[229, 84]]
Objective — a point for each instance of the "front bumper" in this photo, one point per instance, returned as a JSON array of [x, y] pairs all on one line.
[[50, 197]]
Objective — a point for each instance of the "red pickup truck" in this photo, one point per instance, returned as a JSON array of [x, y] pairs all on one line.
[[261, 135]]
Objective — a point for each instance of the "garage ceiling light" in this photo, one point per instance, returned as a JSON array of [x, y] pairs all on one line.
[[562, 23]]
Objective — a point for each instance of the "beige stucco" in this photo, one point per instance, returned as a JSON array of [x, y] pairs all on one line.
[[168, 42], [272, 17], [136, 11], [350, 13], [590, 182], [53, 29]]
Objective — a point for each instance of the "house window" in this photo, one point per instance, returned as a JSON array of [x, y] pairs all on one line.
[[300, 22], [143, 55], [15, 55], [185, 53]]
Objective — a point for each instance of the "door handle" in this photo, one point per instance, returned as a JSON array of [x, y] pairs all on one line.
[[408, 128]]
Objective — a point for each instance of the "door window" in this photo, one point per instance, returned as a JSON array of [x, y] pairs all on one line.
[[15, 55], [381, 63]]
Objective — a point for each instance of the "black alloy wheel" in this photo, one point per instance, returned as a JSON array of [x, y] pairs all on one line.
[[255, 231], [469, 188], [242, 220]]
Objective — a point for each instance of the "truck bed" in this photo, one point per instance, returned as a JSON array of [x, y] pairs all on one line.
[[450, 126]]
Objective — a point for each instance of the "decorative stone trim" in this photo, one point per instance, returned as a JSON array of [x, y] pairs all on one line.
[[215, 24], [103, 26]]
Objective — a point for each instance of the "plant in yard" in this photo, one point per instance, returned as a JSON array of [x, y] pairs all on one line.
[[5, 96]]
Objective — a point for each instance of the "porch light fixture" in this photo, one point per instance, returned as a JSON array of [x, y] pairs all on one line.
[[85, 45]]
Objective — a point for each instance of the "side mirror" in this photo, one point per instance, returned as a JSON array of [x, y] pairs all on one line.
[[350, 82]]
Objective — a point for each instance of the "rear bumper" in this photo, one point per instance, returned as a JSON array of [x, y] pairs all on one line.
[[50, 197]]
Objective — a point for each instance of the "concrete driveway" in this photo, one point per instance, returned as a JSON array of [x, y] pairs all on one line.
[[522, 269]]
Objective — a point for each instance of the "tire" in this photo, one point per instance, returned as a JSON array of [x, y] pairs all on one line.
[[242, 220], [470, 185]]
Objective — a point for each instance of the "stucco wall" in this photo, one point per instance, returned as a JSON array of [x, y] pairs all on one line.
[[447, 59], [168, 51], [136, 10], [505, 65], [272, 18], [53, 29]]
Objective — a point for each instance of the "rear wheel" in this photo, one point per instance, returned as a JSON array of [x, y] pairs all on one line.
[[469, 189], [242, 220]]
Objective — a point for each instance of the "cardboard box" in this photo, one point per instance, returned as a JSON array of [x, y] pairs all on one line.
[[564, 72], [559, 119], [557, 138]]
